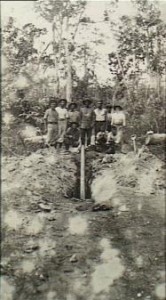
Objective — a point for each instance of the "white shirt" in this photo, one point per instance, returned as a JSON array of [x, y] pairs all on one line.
[[109, 116], [62, 113], [51, 115], [100, 114], [118, 118]]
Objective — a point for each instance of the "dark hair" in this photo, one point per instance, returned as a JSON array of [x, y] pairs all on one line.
[[63, 99], [52, 102], [87, 100], [74, 123], [118, 106], [108, 105], [20, 94], [72, 103], [52, 98]]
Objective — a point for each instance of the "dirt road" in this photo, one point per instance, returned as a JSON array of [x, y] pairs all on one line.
[[56, 247]]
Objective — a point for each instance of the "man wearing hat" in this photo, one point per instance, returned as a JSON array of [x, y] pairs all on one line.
[[119, 121], [100, 117], [72, 136], [74, 115], [62, 120], [51, 123], [87, 118]]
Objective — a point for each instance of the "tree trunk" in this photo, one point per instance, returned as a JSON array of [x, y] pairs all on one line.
[[164, 86], [158, 71], [56, 86], [69, 76], [147, 61], [69, 64], [159, 84], [86, 75], [85, 62], [124, 79]]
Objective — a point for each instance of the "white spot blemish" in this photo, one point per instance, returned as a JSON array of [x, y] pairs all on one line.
[[35, 226], [51, 159], [128, 234], [139, 206], [104, 188], [79, 286], [139, 261], [123, 208], [6, 187], [109, 270], [78, 225], [160, 291], [8, 118], [162, 275], [27, 266], [7, 289], [51, 295], [29, 131], [13, 219]]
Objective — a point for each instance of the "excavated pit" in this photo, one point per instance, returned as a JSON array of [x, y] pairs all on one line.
[[65, 253], [88, 175]]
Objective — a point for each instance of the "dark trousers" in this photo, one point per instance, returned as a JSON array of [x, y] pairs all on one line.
[[99, 126], [86, 132], [70, 142], [109, 127]]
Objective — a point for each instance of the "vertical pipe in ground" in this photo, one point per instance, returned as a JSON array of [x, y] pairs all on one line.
[[82, 177]]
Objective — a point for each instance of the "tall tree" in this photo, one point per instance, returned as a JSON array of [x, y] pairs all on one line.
[[141, 43], [65, 18]]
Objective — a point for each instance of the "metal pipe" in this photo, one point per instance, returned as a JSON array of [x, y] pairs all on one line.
[[82, 177], [133, 138]]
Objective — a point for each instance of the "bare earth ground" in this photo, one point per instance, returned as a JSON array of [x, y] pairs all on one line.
[[55, 247]]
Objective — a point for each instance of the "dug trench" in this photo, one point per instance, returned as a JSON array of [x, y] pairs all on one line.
[[57, 247]]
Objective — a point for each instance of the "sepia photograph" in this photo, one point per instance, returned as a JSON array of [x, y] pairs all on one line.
[[83, 140]]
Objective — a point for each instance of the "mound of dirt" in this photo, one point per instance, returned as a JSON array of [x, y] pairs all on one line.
[[142, 175], [30, 179]]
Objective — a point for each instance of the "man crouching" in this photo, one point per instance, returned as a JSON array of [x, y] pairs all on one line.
[[72, 136]]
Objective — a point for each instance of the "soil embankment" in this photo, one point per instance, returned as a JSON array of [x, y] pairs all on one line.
[[56, 247]]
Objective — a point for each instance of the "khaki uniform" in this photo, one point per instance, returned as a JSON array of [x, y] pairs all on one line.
[[62, 123], [51, 118]]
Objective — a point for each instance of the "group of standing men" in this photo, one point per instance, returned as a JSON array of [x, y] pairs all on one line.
[[88, 125]]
